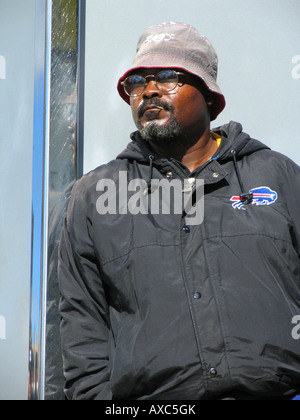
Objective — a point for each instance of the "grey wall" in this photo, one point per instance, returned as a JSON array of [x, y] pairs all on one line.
[[257, 42]]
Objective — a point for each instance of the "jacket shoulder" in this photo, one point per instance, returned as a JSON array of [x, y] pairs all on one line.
[[89, 180], [279, 159]]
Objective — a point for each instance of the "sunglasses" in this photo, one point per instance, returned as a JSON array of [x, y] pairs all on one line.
[[166, 81]]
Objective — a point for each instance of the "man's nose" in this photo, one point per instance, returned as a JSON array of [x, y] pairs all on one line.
[[151, 90]]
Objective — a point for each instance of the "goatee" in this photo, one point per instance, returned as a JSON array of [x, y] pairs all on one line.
[[160, 134]]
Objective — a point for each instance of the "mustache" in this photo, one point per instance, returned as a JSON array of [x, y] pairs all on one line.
[[153, 101]]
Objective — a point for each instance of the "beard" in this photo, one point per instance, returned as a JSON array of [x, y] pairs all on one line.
[[156, 133]]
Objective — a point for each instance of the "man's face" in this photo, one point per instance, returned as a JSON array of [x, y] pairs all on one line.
[[166, 116]]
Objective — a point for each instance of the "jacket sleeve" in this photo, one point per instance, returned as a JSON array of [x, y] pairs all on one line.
[[83, 308]]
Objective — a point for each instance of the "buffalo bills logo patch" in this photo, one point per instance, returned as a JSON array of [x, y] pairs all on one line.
[[262, 196]]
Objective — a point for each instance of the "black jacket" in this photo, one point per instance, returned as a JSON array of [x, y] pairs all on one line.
[[155, 309]]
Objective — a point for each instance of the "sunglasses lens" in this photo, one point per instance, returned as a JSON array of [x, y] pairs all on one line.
[[134, 85], [167, 80]]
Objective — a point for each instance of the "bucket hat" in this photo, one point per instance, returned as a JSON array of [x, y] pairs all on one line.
[[178, 46]]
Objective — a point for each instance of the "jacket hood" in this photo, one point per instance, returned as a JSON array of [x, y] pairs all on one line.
[[239, 141], [233, 139]]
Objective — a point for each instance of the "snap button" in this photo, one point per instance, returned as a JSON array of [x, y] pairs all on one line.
[[189, 185], [197, 295], [213, 372], [186, 229], [169, 175], [215, 175], [191, 181]]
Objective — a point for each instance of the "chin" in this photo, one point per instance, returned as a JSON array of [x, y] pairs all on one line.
[[157, 132]]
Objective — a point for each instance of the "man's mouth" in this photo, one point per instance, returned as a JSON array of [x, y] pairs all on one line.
[[152, 107], [152, 111]]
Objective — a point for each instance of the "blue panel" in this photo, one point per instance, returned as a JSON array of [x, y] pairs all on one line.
[[39, 198]]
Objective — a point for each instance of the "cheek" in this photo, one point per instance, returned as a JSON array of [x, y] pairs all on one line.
[[134, 103], [192, 109]]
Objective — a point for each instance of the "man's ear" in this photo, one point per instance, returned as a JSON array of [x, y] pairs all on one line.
[[210, 99], [210, 103]]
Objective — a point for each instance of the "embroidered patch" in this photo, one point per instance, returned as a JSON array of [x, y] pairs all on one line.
[[160, 38], [262, 196]]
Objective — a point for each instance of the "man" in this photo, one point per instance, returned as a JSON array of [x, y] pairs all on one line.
[[192, 304]]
